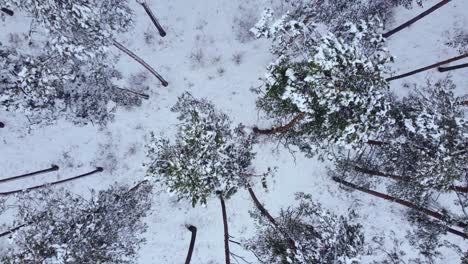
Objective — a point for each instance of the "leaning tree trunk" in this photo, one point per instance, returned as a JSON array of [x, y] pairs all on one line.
[[270, 218], [158, 26], [52, 168], [193, 230], [98, 169], [7, 11], [404, 203], [144, 96], [227, 253], [451, 68], [280, 129], [142, 62], [415, 19], [401, 178], [435, 65], [6, 233], [2, 125]]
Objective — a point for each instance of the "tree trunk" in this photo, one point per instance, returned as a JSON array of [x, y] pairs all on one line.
[[145, 96], [465, 103], [415, 19], [427, 67], [451, 68], [375, 142], [280, 129], [142, 62], [2, 125], [161, 31], [134, 188], [192, 229], [98, 169], [401, 178], [52, 168], [270, 218], [402, 202], [7, 11], [227, 253], [13, 230]]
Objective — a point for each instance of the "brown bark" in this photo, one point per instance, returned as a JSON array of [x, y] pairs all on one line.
[[98, 169], [465, 103], [193, 230], [401, 202], [451, 68], [270, 218], [142, 62], [52, 168], [280, 129], [435, 65], [401, 178], [155, 21], [415, 19], [227, 253]]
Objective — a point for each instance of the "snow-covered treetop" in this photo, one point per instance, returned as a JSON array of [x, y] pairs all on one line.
[[66, 228], [337, 82], [319, 235], [82, 29], [208, 157], [45, 88], [429, 139]]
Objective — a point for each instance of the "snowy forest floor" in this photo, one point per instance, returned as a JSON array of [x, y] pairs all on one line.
[[209, 52]]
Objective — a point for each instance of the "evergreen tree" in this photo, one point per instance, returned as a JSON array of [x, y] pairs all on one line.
[[425, 151], [45, 88], [319, 235], [81, 29], [208, 158], [333, 91], [66, 228]]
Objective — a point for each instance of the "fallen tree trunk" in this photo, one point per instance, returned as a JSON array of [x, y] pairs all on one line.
[[52, 168], [193, 230], [98, 169], [142, 62], [415, 19], [432, 66], [402, 202]]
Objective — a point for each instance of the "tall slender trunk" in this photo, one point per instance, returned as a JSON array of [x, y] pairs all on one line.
[[402, 202], [158, 26], [280, 129], [401, 178], [6, 233], [142, 62], [52, 168], [134, 188], [7, 11], [193, 230], [465, 103], [98, 169], [435, 65], [415, 19], [227, 253], [270, 218], [2, 125], [451, 68]]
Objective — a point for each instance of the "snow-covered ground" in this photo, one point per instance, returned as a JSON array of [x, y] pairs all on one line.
[[208, 52]]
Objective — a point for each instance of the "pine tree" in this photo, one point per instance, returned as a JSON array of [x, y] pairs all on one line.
[[209, 158], [336, 84], [320, 236], [45, 88], [66, 228], [80, 29]]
